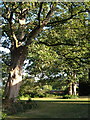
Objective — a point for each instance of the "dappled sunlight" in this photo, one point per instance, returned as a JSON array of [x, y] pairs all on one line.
[[45, 59]]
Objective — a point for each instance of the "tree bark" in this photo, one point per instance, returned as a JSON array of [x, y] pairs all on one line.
[[74, 84], [74, 88], [70, 89], [18, 55]]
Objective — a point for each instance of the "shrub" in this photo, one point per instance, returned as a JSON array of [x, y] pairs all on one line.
[[70, 96], [18, 106], [4, 115]]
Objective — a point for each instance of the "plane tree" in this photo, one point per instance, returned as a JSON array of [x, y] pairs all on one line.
[[74, 57], [70, 57], [23, 23]]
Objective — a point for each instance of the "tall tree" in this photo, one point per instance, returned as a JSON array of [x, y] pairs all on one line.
[[23, 22]]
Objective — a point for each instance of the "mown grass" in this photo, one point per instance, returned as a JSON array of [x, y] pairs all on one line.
[[81, 99], [57, 109], [58, 99]]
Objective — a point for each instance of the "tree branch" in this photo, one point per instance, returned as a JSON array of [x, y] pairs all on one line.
[[79, 58], [15, 40], [65, 20], [48, 16], [5, 17], [40, 9], [39, 28], [5, 6], [56, 44]]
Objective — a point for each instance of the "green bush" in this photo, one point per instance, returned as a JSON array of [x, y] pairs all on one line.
[[50, 95], [70, 96], [19, 106], [4, 115]]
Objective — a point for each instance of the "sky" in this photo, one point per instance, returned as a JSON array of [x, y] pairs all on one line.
[[2, 49]]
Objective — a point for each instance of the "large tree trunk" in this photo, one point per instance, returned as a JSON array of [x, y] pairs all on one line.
[[18, 55]]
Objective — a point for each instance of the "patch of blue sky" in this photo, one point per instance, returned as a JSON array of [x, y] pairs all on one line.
[[2, 49]]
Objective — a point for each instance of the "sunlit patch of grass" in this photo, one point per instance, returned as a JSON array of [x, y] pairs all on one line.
[[24, 98], [57, 99], [62, 100]]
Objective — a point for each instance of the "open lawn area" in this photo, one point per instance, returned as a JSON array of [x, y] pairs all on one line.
[[56, 99], [55, 109]]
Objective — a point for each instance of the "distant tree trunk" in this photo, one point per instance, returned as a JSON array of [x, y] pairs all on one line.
[[18, 55], [70, 89], [74, 84], [89, 74], [74, 88]]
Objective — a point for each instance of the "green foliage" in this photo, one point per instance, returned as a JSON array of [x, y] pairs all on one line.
[[30, 88], [47, 87], [4, 115], [67, 59], [60, 47], [17, 107], [70, 96]]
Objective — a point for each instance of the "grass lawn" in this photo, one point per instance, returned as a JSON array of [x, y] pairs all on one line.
[[55, 109], [62, 100], [58, 99]]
